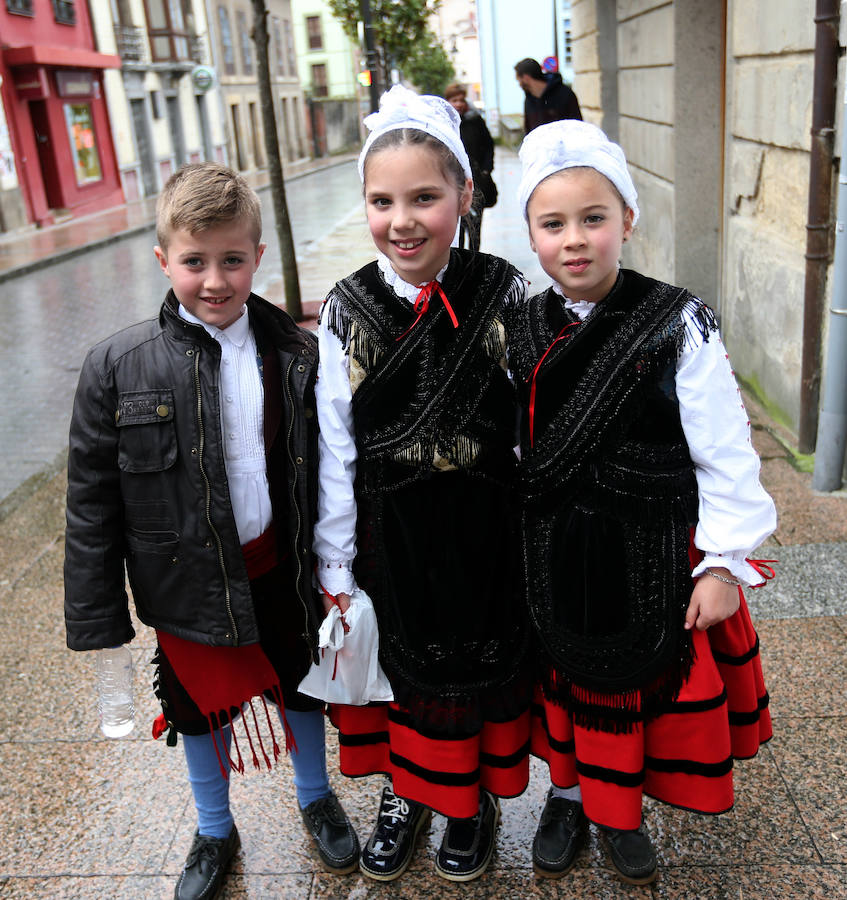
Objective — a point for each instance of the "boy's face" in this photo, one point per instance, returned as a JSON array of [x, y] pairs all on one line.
[[211, 272], [577, 224]]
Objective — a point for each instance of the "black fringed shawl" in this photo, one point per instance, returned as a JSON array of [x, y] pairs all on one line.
[[609, 497], [434, 420]]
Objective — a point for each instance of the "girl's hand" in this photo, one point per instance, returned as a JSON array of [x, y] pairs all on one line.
[[712, 601], [341, 600]]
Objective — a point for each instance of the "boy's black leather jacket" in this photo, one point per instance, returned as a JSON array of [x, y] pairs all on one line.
[[147, 485]]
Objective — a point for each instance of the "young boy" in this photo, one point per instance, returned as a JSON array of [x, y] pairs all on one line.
[[193, 462]]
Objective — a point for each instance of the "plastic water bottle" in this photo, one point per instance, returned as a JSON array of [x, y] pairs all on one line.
[[114, 691]]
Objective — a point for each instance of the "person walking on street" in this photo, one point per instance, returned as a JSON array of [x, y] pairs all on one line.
[[479, 145], [548, 98]]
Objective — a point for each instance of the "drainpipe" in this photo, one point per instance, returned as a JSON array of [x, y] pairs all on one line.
[[832, 426], [820, 204]]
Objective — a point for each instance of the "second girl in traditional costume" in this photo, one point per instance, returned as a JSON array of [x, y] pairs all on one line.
[[417, 417], [642, 504]]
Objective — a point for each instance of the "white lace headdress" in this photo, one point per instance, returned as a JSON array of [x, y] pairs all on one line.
[[402, 108], [567, 143]]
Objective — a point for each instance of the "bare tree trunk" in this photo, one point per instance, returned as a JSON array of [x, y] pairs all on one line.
[[290, 279]]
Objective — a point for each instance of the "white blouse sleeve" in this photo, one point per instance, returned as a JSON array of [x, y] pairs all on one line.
[[335, 530], [735, 512]]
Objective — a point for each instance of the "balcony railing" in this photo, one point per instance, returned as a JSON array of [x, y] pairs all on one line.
[[19, 7], [130, 42]]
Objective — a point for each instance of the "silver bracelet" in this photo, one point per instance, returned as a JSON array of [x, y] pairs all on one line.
[[723, 578]]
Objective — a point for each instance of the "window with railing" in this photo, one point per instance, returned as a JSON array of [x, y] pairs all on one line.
[[169, 38], [314, 33], [227, 47], [64, 12], [320, 88], [19, 7], [246, 42], [130, 42]]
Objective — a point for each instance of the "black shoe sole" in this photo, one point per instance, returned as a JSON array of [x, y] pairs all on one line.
[[390, 876], [480, 869]]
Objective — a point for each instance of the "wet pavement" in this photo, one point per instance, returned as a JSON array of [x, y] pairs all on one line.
[[85, 817]]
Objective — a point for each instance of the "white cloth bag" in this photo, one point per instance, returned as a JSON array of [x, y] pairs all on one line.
[[349, 669]]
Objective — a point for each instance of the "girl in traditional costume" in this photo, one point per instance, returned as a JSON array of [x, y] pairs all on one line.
[[417, 417], [641, 505]]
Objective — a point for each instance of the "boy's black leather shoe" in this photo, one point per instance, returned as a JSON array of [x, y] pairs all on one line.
[[392, 842], [558, 837], [468, 844], [333, 834], [632, 855], [205, 866]]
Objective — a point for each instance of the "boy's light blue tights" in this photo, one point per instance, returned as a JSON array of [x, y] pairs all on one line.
[[211, 790]]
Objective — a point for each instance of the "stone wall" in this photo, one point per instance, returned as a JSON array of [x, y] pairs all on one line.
[[713, 109]]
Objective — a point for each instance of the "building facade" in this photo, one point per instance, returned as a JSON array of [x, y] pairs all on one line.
[[454, 24], [329, 64], [58, 159], [163, 101], [713, 104], [235, 52]]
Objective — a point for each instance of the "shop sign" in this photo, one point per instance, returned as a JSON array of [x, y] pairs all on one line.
[[31, 83], [202, 77], [71, 83]]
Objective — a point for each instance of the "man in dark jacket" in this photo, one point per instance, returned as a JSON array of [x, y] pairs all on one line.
[[479, 145], [548, 98], [192, 466]]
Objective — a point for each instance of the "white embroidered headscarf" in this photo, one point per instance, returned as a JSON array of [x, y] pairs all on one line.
[[402, 108], [567, 143]]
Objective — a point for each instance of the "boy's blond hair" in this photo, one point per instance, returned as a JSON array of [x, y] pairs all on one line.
[[199, 196]]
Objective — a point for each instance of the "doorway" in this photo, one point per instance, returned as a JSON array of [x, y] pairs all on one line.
[[46, 154]]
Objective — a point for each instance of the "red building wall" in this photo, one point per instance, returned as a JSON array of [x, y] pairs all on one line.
[[56, 110]]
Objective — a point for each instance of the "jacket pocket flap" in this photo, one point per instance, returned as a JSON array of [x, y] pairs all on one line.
[[144, 407]]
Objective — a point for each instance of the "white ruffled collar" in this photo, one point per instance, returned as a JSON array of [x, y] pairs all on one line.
[[402, 288], [583, 308]]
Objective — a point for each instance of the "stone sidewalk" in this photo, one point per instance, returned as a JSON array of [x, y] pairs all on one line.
[[84, 817]]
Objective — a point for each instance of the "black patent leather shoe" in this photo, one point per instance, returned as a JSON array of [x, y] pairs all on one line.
[[333, 834], [468, 844], [205, 866], [391, 845], [561, 830], [632, 855]]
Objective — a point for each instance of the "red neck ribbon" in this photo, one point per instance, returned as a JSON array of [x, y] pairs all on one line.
[[561, 336], [422, 305]]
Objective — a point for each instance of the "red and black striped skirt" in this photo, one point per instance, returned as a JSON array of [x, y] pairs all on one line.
[[685, 755]]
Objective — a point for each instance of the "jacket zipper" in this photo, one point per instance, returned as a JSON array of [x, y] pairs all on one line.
[[294, 503], [218, 542]]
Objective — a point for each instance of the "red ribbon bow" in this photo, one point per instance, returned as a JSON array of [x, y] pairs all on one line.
[[422, 305]]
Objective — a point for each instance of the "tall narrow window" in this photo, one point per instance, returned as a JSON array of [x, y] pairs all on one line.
[[64, 12], [314, 33], [246, 42], [20, 7], [280, 52], [83, 142], [319, 84], [226, 41], [289, 47]]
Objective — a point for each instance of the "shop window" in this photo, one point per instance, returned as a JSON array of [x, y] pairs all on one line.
[[226, 41], [319, 83], [169, 38], [64, 12], [19, 7], [246, 42], [314, 32], [83, 143]]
